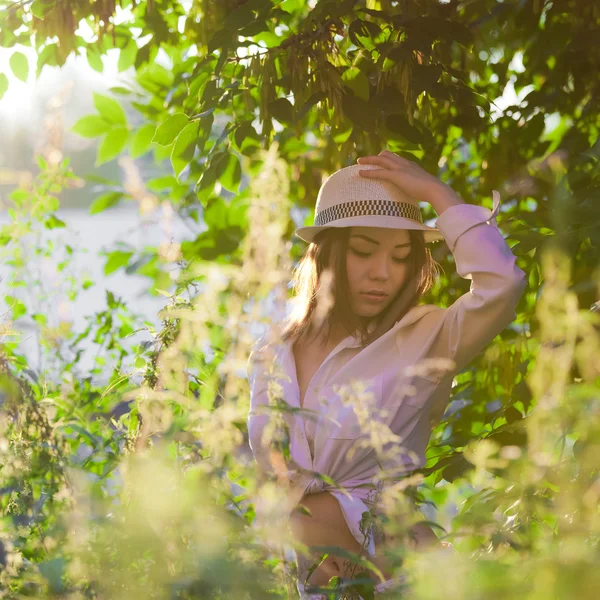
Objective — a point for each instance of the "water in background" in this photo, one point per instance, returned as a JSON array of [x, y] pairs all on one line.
[[88, 235]]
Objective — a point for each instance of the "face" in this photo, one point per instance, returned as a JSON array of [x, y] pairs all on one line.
[[377, 259]]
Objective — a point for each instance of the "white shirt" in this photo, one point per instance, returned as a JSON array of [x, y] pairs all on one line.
[[455, 334]]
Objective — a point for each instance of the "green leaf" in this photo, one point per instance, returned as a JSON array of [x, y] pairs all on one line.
[[19, 195], [3, 84], [157, 184], [341, 135], [52, 203], [378, 14], [425, 77], [528, 241], [19, 65], [364, 33], [116, 260], [358, 111], [119, 89], [40, 8], [84, 432], [53, 222], [282, 109], [268, 38], [112, 144], [94, 60], [291, 6], [127, 56], [232, 175], [154, 77], [204, 128], [91, 126], [203, 114], [142, 140], [47, 56], [398, 123], [256, 27], [217, 166], [314, 99], [109, 109], [357, 81], [105, 201], [215, 215], [16, 306], [40, 318], [221, 39], [426, 29], [168, 130], [245, 134], [94, 178], [184, 147]]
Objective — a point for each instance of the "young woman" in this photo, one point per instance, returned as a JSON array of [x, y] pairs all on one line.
[[370, 242]]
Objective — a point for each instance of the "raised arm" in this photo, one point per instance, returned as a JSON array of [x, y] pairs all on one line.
[[462, 330], [482, 255]]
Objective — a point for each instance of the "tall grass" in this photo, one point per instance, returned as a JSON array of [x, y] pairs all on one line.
[[164, 500]]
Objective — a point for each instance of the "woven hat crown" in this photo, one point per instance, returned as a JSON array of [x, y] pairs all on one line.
[[348, 199], [362, 195], [347, 185]]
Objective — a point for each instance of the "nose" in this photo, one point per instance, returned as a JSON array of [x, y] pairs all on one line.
[[380, 270]]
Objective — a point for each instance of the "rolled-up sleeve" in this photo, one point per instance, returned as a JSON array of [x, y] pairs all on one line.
[[482, 255]]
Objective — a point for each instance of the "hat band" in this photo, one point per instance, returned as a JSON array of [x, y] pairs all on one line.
[[389, 208]]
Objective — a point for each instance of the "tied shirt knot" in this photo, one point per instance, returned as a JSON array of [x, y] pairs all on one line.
[[315, 486]]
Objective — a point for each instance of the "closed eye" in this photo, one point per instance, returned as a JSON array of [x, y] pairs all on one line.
[[365, 254]]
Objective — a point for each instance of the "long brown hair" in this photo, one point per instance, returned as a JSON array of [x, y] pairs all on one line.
[[322, 292]]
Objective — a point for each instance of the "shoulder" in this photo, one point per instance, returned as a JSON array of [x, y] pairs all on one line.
[[262, 350], [419, 321], [259, 347], [422, 313]]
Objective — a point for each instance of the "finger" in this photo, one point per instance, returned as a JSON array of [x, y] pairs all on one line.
[[393, 161], [377, 173], [382, 161], [399, 161], [391, 155]]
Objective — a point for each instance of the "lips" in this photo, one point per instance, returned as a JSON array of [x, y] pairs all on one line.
[[378, 298], [374, 293]]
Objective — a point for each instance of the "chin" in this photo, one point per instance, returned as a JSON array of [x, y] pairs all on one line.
[[370, 312], [366, 310]]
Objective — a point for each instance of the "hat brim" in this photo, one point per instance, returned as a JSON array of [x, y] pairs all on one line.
[[430, 234]]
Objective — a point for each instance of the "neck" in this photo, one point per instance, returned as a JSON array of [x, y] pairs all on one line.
[[335, 336]]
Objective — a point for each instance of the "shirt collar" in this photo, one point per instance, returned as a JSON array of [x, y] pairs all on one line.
[[414, 314], [353, 341]]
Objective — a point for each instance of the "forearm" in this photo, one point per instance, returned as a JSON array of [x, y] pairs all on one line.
[[482, 255], [443, 197]]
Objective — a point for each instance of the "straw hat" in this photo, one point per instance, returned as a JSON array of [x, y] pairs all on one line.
[[348, 199]]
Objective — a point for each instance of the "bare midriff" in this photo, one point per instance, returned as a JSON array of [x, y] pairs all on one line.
[[327, 527]]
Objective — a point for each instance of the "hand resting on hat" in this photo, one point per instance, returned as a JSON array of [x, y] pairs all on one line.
[[412, 179]]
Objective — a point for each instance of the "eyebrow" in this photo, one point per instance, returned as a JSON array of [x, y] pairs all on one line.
[[360, 235]]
